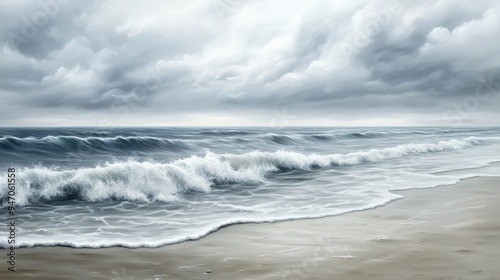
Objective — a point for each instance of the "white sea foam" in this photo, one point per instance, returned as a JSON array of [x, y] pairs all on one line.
[[147, 181]]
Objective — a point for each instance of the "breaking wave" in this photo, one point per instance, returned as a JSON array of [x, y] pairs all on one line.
[[154, 181]]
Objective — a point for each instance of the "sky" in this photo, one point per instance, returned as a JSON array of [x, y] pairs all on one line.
[[249, 63]]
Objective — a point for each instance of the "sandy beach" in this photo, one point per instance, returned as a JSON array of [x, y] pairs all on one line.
[[449, 232]]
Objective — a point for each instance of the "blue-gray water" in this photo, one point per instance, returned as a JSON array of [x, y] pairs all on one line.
[[90, 187]]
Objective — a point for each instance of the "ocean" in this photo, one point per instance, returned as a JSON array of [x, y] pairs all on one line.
[[149, 187]]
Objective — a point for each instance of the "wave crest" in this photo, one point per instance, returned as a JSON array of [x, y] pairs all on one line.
[[79, 144], [149, 181]]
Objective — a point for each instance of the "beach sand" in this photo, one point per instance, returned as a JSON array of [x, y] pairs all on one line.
[[448, 232]]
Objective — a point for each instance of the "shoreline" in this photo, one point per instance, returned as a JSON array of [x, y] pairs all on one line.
[[379, 243]]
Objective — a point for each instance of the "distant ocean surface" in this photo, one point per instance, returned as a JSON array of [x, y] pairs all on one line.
[[146, 187]]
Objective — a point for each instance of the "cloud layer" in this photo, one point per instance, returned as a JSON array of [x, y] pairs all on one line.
[[235, 62]]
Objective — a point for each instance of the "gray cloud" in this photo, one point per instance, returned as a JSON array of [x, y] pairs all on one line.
[[208, 63]]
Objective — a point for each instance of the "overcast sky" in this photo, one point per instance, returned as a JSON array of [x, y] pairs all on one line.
[[238, 62]]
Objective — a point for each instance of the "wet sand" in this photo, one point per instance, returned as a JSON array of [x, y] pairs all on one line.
[[449, 232]]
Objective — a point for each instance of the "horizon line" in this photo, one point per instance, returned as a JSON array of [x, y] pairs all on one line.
[[247, 126]]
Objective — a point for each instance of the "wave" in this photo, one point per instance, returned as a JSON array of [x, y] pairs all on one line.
[[382, 134], [280, 139], [369, 134], [225, 132], [150, 181], [285, 140], [86, 144], [105, 142]]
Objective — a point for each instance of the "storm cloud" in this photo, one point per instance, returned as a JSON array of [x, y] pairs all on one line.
[[235, 62]]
